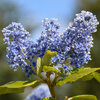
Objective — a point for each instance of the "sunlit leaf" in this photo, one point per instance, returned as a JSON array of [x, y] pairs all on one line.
[[76, 76], [50, 69], [38, 65], [94, 75], [48, 98], [97, 76], [88, 77], [46, 60], [18, 86], [83, 97]]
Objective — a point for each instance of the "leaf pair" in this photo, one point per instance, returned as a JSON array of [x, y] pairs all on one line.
[[44, 64]]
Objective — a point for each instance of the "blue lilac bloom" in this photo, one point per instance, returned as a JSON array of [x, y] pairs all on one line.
[[16, 38], [76, 40], [73, 45], [39, 93], [79, 36], [45, 42]]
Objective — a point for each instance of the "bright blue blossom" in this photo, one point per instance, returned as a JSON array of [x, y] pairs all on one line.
[[79, 36], [45, 42], [73, 45], [39, 93], [14, 37], [76, 40], [17, 42]]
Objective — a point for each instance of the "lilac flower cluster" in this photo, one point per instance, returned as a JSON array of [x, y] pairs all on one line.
[[17, 42], [48, 36], [73, 45], [39, 93], [76, 40]]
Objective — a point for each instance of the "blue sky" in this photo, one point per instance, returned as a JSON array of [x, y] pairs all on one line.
[[61, 9], [48, 8]]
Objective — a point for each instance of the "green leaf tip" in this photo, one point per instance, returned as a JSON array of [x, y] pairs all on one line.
[[88, 77], [38, 66], [83, 97], [46, 60], [50, 69], [18, 86], [48, 98], [75, 76], [94, 75]]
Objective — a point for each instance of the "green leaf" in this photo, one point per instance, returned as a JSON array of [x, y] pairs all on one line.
[[95, 75], [50, 69], [83, 97], [38, 65], [48, 98], [18, 86], [46, 60], [88, 77], [75, 76]]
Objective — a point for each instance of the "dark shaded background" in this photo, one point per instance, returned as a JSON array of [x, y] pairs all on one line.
[[10, 12]]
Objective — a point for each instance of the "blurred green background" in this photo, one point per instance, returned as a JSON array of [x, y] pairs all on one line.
[[29, 13]]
